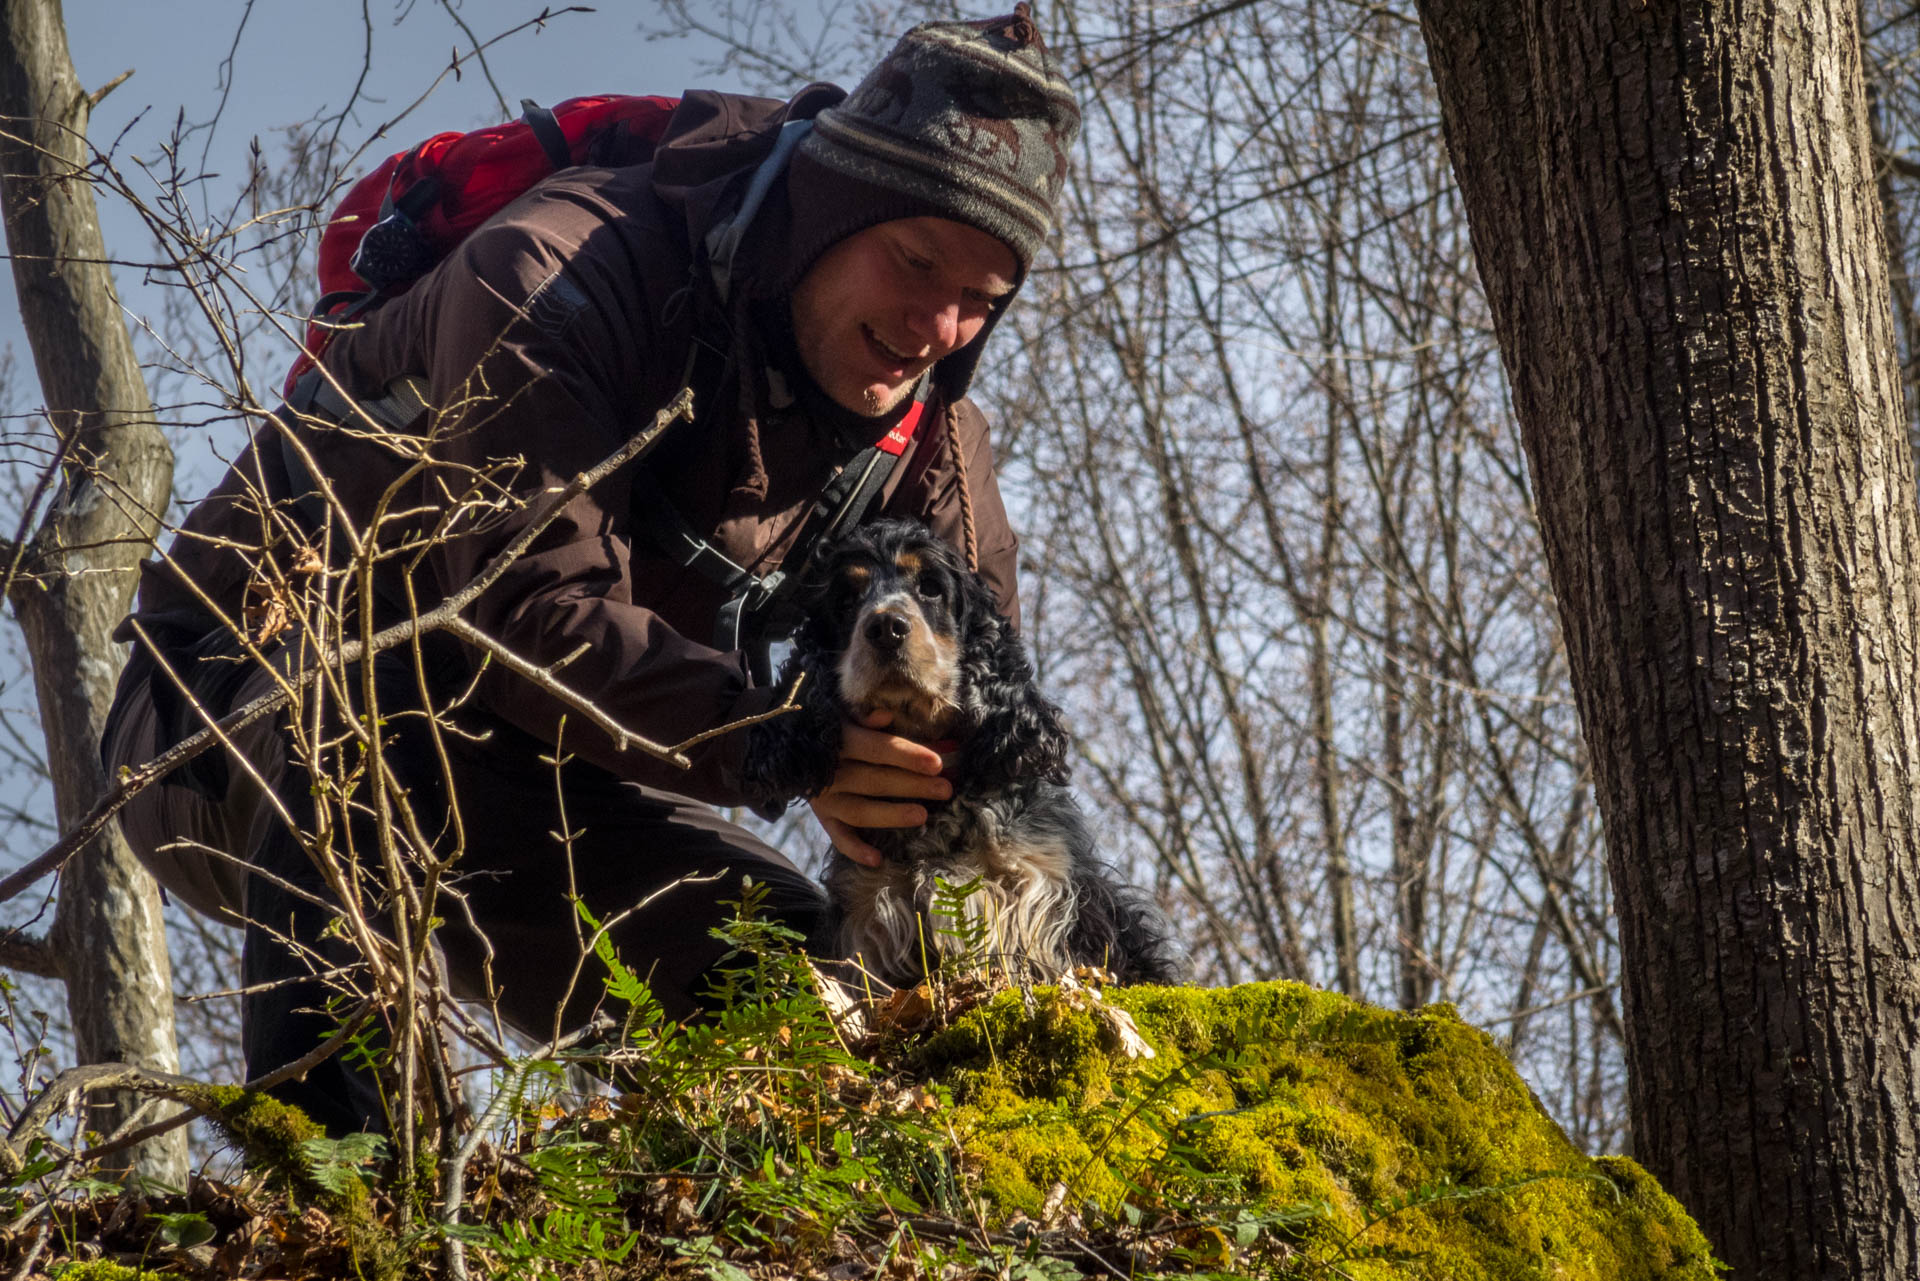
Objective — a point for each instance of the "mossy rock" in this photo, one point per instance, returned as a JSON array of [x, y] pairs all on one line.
[[1388, 1145]]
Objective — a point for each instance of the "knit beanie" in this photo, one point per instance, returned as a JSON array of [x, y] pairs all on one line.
[[963, 120]]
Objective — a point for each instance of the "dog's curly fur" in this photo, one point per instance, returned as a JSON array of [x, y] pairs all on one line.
[[893, 621]]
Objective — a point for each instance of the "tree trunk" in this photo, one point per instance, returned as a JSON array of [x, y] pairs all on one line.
[[82, 565], [1677, 226]]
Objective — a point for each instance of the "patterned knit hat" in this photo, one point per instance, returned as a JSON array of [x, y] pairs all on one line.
[[963, 120]]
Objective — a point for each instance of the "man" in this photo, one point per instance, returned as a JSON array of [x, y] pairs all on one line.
[[819, 297]]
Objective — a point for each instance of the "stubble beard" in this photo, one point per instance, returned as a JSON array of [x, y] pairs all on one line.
[[875, 403]]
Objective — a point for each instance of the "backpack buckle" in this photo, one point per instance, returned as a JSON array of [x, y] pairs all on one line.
[[751, 621]]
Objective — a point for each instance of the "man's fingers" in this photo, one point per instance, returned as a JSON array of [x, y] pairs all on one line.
[[868, 811], [877, 747], [849, 844], [880, 777], [856, 779]]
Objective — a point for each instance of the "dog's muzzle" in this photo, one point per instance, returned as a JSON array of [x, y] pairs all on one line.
[[887, 631]]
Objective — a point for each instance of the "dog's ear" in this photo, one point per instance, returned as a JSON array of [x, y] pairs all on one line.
[[1016, 733], [795, 754]]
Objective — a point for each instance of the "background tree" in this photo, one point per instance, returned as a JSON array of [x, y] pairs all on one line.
[[71, 582], [228, 263], [1678, 224]]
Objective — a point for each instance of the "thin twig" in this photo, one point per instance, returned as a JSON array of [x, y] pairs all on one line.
[[543, 677], [99, 95], [20, 538], [138, 779], [179, 1089], [479, 53]]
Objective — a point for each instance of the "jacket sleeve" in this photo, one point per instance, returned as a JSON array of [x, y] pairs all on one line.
[[528, 349], [931, 491]]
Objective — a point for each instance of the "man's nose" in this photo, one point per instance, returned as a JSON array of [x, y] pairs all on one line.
[[938, 326]]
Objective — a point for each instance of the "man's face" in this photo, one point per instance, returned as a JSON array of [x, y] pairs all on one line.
[[880, 307]]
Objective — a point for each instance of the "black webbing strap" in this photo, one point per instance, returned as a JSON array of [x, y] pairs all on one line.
[[404, 400], [395, 408], [546, 127], [672, 535], [758, 609]]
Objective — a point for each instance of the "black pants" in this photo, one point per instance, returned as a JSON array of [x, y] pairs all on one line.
[[664, 865]]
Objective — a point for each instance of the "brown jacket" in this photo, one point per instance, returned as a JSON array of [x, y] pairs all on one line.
[[548, 337]]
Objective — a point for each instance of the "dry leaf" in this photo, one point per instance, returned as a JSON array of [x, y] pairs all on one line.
[[844, 1006], [1206, 1245], [908, 1009], [1121, 1032], [1051, 1207], [266, 620]]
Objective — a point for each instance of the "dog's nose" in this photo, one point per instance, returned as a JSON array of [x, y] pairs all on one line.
[[887, 631]]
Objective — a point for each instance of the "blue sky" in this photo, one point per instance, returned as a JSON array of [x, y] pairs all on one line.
[[296, 57]]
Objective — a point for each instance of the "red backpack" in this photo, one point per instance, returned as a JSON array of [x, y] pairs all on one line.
[[408, 214]]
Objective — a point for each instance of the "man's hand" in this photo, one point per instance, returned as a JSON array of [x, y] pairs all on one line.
[[879, 778]]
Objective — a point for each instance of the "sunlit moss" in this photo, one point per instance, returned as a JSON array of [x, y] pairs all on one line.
[[268, 1132], [102, 1270], [1407, 1141]]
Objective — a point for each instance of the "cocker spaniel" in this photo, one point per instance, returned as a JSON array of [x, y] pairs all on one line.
[[893, 620]]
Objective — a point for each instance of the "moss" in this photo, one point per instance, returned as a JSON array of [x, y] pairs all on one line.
[[270, 1134], [1406, 1144], [265, 1130], [101, 1270]]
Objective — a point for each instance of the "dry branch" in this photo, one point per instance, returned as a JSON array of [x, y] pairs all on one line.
[[136, 780]]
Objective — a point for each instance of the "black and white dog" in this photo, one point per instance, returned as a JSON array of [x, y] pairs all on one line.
[[894, 621]]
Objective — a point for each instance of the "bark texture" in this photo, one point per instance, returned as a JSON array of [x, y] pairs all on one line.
[[81, 566], [1675, 215]]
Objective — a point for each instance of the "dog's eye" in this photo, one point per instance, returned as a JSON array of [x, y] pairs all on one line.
[[931, 586]]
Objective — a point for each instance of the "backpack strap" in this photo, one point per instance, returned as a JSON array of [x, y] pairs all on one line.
[[723, 240], [404, 400], [546, 129], [759, 608]]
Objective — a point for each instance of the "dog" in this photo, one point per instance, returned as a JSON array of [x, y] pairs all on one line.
[[892, 620]]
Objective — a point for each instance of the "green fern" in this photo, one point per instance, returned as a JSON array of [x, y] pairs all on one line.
[[343, 1166], [968, 933]]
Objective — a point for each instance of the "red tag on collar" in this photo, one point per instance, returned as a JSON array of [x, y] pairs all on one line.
[[896, 441]]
